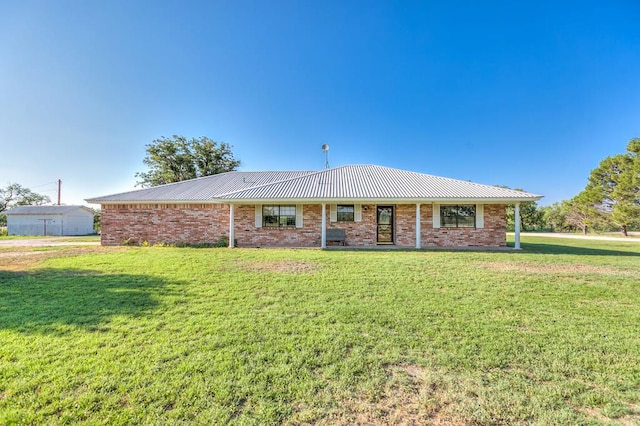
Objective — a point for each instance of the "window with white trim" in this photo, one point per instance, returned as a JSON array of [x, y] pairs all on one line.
[[345, 213], [278, 216], [458, 216]]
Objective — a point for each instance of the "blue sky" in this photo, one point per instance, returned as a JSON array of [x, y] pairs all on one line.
[[526, 94]]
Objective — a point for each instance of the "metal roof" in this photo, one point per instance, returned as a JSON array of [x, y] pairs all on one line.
[[46, 210], [371, 182], [354, 182], [205, 188]]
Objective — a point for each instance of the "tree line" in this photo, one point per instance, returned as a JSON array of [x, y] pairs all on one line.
[[610, 200]]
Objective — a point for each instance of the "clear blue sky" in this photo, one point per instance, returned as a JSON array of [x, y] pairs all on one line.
[[530, 95]]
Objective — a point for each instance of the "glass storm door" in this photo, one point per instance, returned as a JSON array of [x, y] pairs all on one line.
[[385, 224]]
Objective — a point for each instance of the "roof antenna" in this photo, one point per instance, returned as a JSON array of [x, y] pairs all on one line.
[[325, 149]]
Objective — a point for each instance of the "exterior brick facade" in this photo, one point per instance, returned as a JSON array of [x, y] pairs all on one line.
[[492, 235], [208, 223], [247, 235], [163, 223]]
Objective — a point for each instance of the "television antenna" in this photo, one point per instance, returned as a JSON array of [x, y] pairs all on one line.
[[325, 149]]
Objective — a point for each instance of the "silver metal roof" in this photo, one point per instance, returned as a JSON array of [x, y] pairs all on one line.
[[206, 188], [46, 210], [371, 182], [355, 182]]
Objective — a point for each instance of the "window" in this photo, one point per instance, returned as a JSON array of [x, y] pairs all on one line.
[[463, 216], [345, 213], [278, 216]]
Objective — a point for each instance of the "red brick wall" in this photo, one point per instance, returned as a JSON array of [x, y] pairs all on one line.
[[359, 234], [197, 223], [164, 223], [247, 235], [405, 232], [492, 235]]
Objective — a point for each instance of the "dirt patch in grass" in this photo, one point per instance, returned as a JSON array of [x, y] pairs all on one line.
[[553, 268], [279, 266], [19, 253], [25, 259], [21, 261], [631, 419], [593, 413], [409, 397]]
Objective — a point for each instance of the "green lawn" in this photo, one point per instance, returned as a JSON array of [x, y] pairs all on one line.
[[549, 335]]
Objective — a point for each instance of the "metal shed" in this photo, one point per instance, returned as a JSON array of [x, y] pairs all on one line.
[[50, 220]]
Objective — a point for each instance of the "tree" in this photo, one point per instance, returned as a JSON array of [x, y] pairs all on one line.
[[97, 222], [530, 216], [15, 194], [176, 159], [615, 185], [583, 212], [555, 216]]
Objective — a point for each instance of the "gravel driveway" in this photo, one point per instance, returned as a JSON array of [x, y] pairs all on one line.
[[46, 242], [631, 238]]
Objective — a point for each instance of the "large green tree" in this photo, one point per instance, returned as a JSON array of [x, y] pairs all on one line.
[[615, 185], [177, 158], [554, 217], [15, 194], [584, 213], [531, 217]]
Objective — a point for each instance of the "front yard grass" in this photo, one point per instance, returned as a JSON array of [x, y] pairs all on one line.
[[128, 335]]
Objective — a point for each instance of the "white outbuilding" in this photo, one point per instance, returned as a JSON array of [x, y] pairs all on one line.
[[50, 220]]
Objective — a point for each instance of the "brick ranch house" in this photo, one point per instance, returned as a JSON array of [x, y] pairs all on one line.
[[374, 205]]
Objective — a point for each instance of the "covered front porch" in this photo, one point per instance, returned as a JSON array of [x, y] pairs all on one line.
[[367, 225]]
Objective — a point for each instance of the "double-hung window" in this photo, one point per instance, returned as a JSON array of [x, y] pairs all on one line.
[[458, 216], [345, 213], [278, 216]]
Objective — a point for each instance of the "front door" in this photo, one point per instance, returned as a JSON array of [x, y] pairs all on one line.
[[385, 224]]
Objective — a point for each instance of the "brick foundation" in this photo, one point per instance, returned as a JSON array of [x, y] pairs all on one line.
[[207, 223]]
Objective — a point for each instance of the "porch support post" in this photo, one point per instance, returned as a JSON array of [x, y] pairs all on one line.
[[516, 214], [232, 233], [418, 237], [323, 238]]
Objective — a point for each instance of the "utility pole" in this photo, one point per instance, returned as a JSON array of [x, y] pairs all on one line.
[[59, 186]]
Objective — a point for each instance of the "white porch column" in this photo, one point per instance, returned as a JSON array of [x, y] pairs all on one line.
[[517, 226], [418, 237], [323, 238], [232, 233]]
